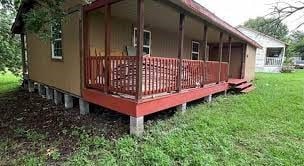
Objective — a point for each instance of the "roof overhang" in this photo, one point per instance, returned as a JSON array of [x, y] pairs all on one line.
[[202, 12], [18, 25], [188, 5]]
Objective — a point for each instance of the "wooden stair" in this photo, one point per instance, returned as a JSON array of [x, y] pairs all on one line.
[[241, 85], [247, 90]]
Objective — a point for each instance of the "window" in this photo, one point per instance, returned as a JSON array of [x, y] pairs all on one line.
[[274, 52], [56, 41], [147, 41], [195, 50]]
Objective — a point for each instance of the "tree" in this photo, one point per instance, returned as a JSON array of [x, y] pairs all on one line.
[[10, 53], [283, 10], [268, 26], [36, 20], [296, 44], [47, 12]]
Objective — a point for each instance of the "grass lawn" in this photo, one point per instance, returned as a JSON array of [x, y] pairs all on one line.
[[8, 82], [265, 127]]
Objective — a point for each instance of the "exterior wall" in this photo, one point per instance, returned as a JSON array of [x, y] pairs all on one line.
[[63, 74], [250, 62], [236, 57], [266, 42], [163, 43]]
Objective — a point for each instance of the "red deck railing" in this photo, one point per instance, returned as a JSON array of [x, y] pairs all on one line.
[[160, 75]]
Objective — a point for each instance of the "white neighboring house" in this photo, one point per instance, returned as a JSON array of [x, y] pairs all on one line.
[[271, 57]]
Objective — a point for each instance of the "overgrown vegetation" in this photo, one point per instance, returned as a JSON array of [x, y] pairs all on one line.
[[264, 127], [8, 82], [10, 53]]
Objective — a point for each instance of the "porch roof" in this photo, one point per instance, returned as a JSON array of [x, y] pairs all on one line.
[[194, 8], [202, 12]]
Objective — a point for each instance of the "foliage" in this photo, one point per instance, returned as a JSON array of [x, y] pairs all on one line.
[[268, 26], [44, 14], [10, 5], [296, 44], [10, 53], [8, 82]]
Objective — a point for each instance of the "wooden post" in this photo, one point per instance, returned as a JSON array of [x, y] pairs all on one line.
[[243, 61], [205, 52], [107, 47], [220, 56], [86, 47], [139, 52], [229, 55], [181, 33], [23, 55], [205, 43]]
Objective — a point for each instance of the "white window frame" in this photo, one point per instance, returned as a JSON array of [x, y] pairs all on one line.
[[193, 52], [144, 46], [53, 45]]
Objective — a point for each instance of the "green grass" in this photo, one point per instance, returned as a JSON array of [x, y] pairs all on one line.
[[8, 82], [264, 127]]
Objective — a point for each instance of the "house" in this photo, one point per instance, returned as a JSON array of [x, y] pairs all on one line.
[[270, 58], [137, 57]]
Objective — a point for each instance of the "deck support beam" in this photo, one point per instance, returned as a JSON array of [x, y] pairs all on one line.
[[139, 51], [181, 34], [229, 55], [220, 56], [205, 52], [182, 108], [68, 101], [84, 107], [107, 46], [57, 97], [137, 126], [31, 86]]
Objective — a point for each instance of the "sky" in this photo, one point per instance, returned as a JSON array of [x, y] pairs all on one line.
[[236, 12]]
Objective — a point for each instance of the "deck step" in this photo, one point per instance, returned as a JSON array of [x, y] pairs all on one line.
[[249, 89], [243, 86], [235, 82]]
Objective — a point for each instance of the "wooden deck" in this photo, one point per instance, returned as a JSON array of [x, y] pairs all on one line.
[[165, 82], [151, 105]]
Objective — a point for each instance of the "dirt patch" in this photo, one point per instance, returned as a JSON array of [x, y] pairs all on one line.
[[30, 124]]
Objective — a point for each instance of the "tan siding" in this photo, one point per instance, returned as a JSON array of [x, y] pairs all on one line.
[[250, 63], [121, 33], [235, 64], [64, 75], [163, 43]]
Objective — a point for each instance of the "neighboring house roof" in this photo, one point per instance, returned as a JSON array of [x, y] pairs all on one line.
[[188, 5], [262, 34]]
